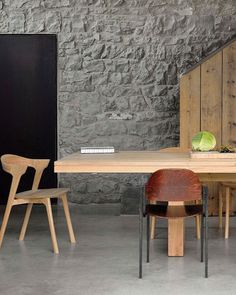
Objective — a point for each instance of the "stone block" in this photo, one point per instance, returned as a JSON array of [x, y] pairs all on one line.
[[4, 22], [35, 22], [88, 103], [130, 200], [17, 22], [93, 66], [58, 3], [53, 22]]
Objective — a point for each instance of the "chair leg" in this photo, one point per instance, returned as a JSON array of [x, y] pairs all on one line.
[[198, 227], [227, 201], [205, 209], [148, 237], [206, 246], [153, 225], [47, 203], [4, 222], [26, 221], [140, 243], [68, 219], [220, 205], [202, 236]]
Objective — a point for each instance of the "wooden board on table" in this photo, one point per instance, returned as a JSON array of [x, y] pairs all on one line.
[[212, 155]]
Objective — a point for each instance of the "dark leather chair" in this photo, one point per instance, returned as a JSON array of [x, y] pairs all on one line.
[[174, 185]]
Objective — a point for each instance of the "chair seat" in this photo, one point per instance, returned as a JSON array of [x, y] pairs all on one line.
[[42, 193], [229, 184], [164, 211]]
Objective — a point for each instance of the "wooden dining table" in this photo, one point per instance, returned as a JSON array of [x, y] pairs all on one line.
[[148, 162]]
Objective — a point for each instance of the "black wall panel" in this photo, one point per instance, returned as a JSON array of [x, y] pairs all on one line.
[[28, 103]]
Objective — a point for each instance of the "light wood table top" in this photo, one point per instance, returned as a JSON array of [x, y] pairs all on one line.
[[140, 162]]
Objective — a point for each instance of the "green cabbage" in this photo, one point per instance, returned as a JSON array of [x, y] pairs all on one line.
[[203, 141]]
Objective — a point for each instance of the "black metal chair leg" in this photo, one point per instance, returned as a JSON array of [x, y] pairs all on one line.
[[148, 237], [206, 229], [140, 237], [202, 236], [206, 246]]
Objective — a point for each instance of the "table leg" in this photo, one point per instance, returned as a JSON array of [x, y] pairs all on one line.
[[176, 237]]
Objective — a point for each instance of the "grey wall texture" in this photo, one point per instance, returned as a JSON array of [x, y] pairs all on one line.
[[119, 64]]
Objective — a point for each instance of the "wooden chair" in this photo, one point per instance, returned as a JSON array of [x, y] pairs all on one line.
[[154, 218], [17, 166], [174, 186], [225, 192]]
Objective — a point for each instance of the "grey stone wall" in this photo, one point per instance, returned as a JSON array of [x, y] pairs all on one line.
[[119, 64]]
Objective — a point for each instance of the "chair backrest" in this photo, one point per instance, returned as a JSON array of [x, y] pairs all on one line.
[[173, 185], [17, 166]]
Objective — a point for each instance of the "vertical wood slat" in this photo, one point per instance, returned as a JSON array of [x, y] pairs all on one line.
[[211, 111], [189, 107], [211, 96], [229, 95]]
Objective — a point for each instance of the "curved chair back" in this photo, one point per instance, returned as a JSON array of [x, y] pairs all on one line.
[[173, 185], [17, 166]]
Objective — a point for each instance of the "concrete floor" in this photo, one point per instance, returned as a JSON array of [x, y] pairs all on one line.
[[105, 259]]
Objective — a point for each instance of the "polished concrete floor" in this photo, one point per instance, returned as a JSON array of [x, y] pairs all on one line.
[[105, 259]]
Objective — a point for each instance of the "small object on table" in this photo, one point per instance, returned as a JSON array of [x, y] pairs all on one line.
[[227, 149], [203, 141], [97, 150]]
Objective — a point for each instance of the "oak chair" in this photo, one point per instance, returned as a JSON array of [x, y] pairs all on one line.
[[174, 186], [17, 166], [225, 192]]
